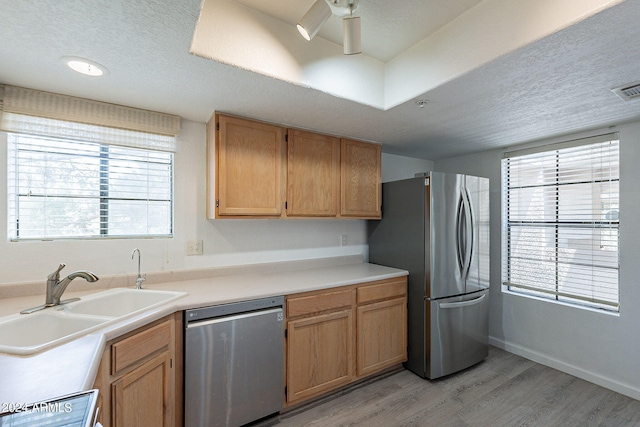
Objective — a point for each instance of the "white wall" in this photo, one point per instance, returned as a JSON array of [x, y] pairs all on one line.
[[226, 242], [602, 348], [395, 167]]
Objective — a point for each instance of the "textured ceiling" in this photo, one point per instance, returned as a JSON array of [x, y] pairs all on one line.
[[554, 86]]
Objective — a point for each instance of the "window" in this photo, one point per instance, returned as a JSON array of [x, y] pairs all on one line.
[[63, 189], [79, 168], [561, 221]]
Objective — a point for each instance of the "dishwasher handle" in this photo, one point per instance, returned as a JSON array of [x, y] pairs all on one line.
[[205, 322], [225, 310]]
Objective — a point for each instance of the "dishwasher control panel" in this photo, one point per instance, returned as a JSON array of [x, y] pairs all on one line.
[[197, 314]]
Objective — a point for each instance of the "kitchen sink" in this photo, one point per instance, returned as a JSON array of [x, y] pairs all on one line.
[[120, 302], [26, 334], [31, 333]]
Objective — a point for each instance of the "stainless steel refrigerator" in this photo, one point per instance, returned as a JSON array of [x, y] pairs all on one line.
[[436, 227]]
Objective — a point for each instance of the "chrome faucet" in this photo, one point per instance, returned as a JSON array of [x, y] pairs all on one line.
[[140, 277], [56, 287]]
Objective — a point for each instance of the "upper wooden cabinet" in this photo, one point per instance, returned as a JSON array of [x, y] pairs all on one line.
[[249, 168], [360, 179], [313, 174], [264, 170]]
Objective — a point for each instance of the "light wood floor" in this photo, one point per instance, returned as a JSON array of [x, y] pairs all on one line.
[[504, 390]]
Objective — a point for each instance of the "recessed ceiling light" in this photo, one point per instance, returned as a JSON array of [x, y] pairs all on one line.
[[84, 66]]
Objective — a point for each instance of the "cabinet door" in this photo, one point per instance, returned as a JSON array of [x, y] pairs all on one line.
[[382, 335], [319, 354], [361, 183], [250, 178], [140, 376], [313, 174], [140, 398]]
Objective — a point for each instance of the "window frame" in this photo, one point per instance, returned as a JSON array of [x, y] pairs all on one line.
[[508, 227]]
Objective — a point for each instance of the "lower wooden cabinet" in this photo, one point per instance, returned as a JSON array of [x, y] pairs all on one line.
[[140, 397], [382, 335], [140, 378], [382, 325], [320, 351], [337, 336]]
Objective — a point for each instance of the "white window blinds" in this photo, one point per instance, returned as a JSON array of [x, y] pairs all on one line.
[[84, 169], [561, 221]]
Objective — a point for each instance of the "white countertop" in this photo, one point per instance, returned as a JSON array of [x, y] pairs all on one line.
[[72, 366]]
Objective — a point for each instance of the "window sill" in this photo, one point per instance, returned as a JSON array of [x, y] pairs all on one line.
[[517, 294]]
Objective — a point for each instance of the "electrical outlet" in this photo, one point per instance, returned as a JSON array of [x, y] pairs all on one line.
[[343, 240], [194, 247]]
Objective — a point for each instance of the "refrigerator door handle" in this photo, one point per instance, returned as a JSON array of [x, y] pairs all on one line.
[[462, 303], [464, 234], [461, 237], [470, 232]]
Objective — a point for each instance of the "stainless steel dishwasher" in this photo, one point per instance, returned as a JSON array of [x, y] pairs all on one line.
[[234, 362]]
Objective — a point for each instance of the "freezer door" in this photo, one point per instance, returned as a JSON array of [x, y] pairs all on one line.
[[448, 226], [476, 192], [459, 333]]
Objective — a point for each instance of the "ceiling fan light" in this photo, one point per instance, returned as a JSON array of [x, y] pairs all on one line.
[[310, 23], [351, 40]]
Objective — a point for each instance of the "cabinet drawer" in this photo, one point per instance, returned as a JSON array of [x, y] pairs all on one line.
[[382, 290], [136, 348], [300, 306]]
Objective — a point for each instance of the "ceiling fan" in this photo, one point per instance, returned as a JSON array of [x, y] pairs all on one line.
[[321, 10]]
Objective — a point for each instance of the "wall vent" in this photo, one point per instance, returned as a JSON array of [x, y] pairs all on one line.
[[628, 92]]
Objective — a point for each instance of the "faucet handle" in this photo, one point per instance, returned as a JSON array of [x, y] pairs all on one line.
[[56, 274], [141, 278]]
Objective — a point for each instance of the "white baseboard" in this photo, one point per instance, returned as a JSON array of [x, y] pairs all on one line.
[[543, 359]]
